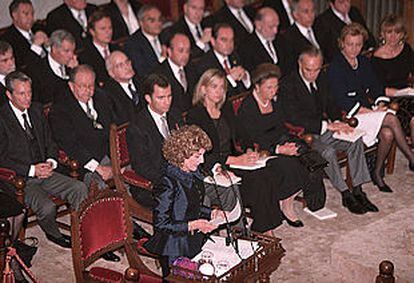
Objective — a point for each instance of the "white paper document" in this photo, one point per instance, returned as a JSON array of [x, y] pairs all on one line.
[[409, 91], [232, 216], [321, 214], [351, 136], [224, 257], [260, 163], [223, 180]]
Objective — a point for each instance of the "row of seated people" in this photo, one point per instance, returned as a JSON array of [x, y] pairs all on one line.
[[253, 40]]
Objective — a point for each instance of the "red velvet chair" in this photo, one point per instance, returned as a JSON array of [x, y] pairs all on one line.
[[103, 224], [122, 172]]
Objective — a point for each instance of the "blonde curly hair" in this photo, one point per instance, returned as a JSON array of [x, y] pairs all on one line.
[[183, 143]]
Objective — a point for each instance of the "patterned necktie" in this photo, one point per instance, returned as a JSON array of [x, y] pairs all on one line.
[[27, 127], [183, 79], [165, 132], [134, 93], [81, 20], [272, 52], [313, 88], [226, 66], [89, 114]]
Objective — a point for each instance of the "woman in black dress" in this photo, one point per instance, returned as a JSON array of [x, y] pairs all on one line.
[[261, 189], [393, 62]]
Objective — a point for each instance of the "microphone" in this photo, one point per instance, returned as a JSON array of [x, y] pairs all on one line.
[[230, 239]]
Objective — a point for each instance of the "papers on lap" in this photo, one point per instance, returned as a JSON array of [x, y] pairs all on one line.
[[261, 162], [221, 253], [350, 137], [321, 214], [409, 91]]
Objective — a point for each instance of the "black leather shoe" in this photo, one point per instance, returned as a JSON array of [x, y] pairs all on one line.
[[139, 233], [350, 202], [110, 256], [63, 241], [363, 199], [384, 188], [296, 223]]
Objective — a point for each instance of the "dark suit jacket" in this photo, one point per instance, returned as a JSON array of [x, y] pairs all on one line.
[[123, 108], [181, 27], [181, 99], [74, 131], [200, 117], [91, 56], [15, 151], [145, 144], [254, 53], [277, 5], [140, 51], [224, 15], [120, 29], [209, 61], [294, 43], [349, 86], [3, 96], [62, 18], [304, 109], [21, 48], [328, 26], [47, 87]]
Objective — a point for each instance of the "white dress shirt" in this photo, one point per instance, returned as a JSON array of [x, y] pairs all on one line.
[[304, 31], [57, 68], [272, 53], [288, 11], [28, 36], [80, 14], [346, 19], [93, 163], [131, 21], [246, 19], [125, 87], [193, 30], [246, 82], [3, 79], [175, 69], [20, 119], [158, 120], [156, 45], [101, 49]]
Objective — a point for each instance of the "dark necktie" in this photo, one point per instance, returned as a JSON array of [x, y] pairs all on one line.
[[27, 127], [226, 66], [183, 79], [198, 30], [89, 114], [313, 89], [134, 93]]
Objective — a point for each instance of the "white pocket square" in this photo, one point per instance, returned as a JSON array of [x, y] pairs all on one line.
[[351, 93]]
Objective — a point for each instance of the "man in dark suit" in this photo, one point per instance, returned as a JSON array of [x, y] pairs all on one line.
[[26, 146], [123, 89], [192, 26], [329, 24], [72, 16], [237, 16], [301, 34], [223, 58], [282, 8], [152, 125], [7, 65], [305, 96], [262, 46], [144, 47], [27, 44], [123, 15], [51, 74], [98, 48], [80, 125], [176, 72]]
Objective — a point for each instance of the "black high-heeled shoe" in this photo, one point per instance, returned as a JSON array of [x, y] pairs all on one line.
[[383, 188], [297, 223]]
